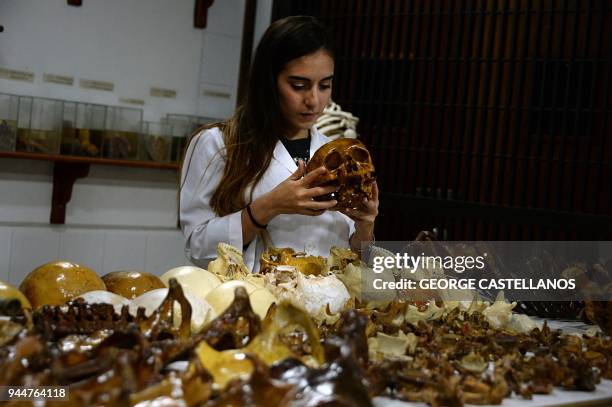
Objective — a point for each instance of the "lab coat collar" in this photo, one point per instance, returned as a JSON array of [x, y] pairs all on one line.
[[283, 157], [317, 140]]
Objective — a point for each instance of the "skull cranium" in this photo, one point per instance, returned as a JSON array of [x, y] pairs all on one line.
[[349, 167]]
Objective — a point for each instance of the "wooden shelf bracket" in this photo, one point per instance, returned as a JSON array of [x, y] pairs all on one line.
[[65, 175]]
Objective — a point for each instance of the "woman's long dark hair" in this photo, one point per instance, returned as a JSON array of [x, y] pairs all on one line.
[[251, 135]]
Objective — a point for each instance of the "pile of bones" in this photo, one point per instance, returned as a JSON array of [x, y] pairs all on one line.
[[297, 333]]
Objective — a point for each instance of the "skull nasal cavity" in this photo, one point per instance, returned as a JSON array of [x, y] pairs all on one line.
[[360, 155], [333, 161]]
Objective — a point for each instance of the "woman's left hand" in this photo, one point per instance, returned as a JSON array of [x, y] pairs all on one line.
[[365, 215]]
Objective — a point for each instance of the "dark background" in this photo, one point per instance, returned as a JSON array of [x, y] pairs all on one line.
[[487, 119]]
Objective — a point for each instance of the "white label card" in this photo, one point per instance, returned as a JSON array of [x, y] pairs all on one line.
[[163, 93], [216, 94], [132, 101], [58, 79], [15, 75], [97, 85]]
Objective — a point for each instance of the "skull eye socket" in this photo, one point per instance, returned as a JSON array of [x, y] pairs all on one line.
[[360, 155], [333, 161]]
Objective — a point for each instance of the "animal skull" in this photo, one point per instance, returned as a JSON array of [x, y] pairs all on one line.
[[274, 257], [349, 167]]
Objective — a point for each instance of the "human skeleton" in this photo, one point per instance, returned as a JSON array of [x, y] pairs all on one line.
[[335, 123]]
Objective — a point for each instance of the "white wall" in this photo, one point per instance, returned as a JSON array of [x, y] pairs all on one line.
[[23, 248], [118, 218], [263, 17], [136, 45], [220, 64]]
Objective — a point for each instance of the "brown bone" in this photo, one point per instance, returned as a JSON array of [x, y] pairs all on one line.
[[349, 167]]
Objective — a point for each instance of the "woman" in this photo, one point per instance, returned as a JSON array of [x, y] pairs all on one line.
[[243, 180]]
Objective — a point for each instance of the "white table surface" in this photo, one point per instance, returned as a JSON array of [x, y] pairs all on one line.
[[602, 396]]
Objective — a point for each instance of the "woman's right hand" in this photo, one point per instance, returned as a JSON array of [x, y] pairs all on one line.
[[295, 196]]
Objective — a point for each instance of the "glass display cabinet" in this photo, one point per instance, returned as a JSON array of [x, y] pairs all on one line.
[[183, 128], [83, 129], [156, 142], [35, 128], [8, 121], [179, 133], [39, 125], [189, 122], [163, 141], [121, 135]]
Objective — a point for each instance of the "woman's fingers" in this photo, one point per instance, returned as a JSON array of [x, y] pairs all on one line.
[[299, 173], [365, 211], [314, 208], [354, 213], [312, 176], [324, 205], [318, 191]]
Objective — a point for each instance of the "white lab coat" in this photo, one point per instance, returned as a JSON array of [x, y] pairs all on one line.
[[203, 229]]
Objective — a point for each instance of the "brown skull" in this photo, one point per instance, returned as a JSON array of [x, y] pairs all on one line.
[[350, 168]]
